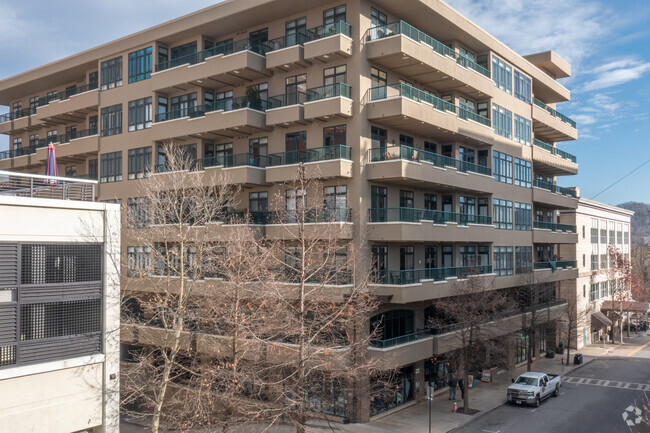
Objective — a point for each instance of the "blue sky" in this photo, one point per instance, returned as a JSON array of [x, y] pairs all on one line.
[[607, 46]]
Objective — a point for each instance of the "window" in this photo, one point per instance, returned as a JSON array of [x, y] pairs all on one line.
[[467, 256], [523, 259], [295, 200], [138, 211], [139, 162], [523, 173], [111, 73], [603, 232], [379, 137], [17, 143], [51, 136], [522, 130], [33, 103], [502, 74], [111, 120], [430, 201], [594, 262], [182, 53], [71, 171], [406, 199], [296, 31], [111, 167], [182, 105], [593, 294], [523, 216], [258, 147], [295, 147], [140, 65], [335, 197], [378, 80], [503, 261], [139, 261], [331, 17], [224, 100], [603, 289], [334, 136], [140, 114], [522, 87], [502, 167], [594, 231], [336, 74], [406, 258], [258, 201], [293, 85], [502, 121], [378, 203], [405, 140], [467, 207], [603, 261], [502, 211], [377, 18], [33, 140]]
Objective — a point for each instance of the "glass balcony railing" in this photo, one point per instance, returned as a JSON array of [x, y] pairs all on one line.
[[337, 28], [221, 105], [555, 264], [17, 114], [5, 154], [418, 155], [554, 112], [554, 188], [311, 216], [413, 276], [287, 99], [310, 155], [403, 339], [328, 91], [555, 150], [403, 28], [466, 114], [411, 215], [236, 160], [72, 135], [286, 41], [554, 227]]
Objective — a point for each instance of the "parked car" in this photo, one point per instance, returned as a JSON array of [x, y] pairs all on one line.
[[532, 387]]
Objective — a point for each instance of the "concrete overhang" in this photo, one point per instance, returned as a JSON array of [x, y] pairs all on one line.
[[551, 63]]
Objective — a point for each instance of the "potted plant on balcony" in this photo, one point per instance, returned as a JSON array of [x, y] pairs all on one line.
[[253, 98]]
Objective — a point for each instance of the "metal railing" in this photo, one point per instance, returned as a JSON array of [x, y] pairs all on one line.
[[310, 216], [466, 114], [412, 215], [553, 112], [72, 135], [17, 114], [298, 38], [235, 160], [310, 155], [66, 94], [554, 227], [221, 105], [401, 27], [328, 91], [554, 150], [337, 28], [418, 155], [410, 92], [413, 276], [403, 339], [287, 99], [51, 187], [5, 154], [555, 264], [554, 188]]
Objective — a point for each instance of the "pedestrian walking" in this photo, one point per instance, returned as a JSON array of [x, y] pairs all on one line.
[[461, 385], [453, 382]]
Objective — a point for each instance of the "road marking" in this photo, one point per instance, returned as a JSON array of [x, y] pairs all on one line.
[[533, 410], [491, 431], [638, 349], [630, 386]]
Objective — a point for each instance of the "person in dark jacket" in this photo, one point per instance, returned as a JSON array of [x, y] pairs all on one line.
[[452, 383], [461, 385]]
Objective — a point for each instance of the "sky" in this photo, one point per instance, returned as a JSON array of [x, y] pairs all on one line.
[[607, 46]]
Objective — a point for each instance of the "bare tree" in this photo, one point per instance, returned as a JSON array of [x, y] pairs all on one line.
[[625, 283], [470, 318], [640, 258], [574, 314]]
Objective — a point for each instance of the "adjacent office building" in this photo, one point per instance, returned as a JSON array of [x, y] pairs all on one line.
[[438, 141], [59, 307]]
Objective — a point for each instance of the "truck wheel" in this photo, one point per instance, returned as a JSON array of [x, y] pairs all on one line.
[[537, 401], [556, 393]]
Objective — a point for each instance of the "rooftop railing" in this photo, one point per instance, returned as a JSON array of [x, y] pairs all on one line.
[[412, 215], [554, 150], [328, 91], [418, 155], [554, 112], [50, 187], [413, 276], [310, 155], [554, 188], [554, 227], [403, 28]]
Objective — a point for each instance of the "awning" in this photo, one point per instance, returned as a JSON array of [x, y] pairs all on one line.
[[600, 317], [631, 306]]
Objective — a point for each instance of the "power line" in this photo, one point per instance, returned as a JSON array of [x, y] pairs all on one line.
[[646, 161]]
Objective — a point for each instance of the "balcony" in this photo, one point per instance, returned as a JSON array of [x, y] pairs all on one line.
[[556, 264], [553, 233], [286, 109], [407, 165], [71, 147], [16, 121], [328, 42], [405, 107], [418, 56], [406, 349], [556, 196], [319, 163], [423, 225], [70, 106], [325, 102], [319, 223], [414, 276], [551, 124], [232, 117], [287, 53], [229, 64], [554, 160]]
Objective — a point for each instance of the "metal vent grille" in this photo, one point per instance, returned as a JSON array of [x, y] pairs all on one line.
[[7, 355], [60, 319], [8, 265], [68, 263]]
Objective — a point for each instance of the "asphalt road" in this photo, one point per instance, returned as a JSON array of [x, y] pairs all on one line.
[[593, 399]]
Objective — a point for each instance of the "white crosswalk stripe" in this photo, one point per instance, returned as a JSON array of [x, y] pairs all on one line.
[[606, 383]]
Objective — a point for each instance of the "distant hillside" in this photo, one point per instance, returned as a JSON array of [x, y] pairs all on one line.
[[640, 220]]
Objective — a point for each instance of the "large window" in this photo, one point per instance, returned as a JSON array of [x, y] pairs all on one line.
[[522, 87], [332, 16], [140, 65], [140, 114], [111, 120], [503, 261], [523, 259], [296, 147], [502, 74], [502, 211], [139, 162], [502, 167], [523, 173], [296, 31], [336, 197], [138, 209], [593, 294], [334, 135], [522, 130], [258, 201], [111, 73], [139, 261], [110, 167], [335, 74], [523, 216], [502, 121]]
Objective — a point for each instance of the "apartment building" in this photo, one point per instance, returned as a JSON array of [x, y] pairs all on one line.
[[59, 307], [437, 140], [591, 295]]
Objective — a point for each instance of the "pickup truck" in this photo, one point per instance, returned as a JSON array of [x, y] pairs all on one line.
[[531, 388]]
